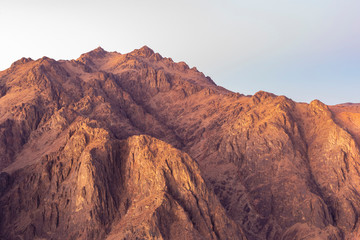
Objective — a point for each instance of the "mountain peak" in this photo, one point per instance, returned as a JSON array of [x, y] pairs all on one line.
[[99, 49], [144, 51], [98, 52], [21, 61], [87, 58]]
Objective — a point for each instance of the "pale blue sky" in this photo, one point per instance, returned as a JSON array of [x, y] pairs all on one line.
[[308, 49]]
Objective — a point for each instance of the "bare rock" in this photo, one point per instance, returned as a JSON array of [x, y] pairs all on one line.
[[136, 146]]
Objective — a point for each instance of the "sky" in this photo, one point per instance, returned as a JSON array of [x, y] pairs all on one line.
[[305, 50]]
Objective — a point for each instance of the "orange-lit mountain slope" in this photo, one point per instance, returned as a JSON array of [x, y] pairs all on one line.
[[136, 146]]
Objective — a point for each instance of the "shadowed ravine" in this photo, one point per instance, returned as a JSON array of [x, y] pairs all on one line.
[[136, 146]]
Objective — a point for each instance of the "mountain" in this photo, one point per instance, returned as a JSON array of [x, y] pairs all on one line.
[[136, 146]]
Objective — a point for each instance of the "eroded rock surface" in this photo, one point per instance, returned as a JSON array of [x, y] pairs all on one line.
[[136, 146]]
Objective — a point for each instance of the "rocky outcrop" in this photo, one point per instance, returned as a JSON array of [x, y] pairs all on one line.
[[167, 197], [136, 146], [96, 187]]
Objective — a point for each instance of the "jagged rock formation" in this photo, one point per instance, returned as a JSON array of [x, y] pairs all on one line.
[[135, 146]]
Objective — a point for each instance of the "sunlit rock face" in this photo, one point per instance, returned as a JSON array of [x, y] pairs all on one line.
[[136, 146]]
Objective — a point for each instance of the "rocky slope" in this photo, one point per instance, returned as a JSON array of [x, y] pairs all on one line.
[[136, 146]]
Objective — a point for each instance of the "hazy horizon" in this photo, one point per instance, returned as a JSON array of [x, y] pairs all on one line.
[[308, 50]]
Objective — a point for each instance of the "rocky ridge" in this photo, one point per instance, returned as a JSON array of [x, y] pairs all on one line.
[[129, 146]]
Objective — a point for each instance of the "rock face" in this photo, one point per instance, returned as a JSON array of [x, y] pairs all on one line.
[[136, 146]]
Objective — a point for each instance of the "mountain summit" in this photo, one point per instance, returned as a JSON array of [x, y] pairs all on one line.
[[137, 146]]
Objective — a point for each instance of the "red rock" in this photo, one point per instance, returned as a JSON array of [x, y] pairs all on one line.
[[137, 146]]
